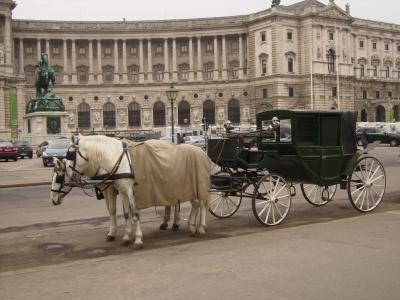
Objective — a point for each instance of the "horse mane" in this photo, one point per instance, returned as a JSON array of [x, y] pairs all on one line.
[[99, 149]]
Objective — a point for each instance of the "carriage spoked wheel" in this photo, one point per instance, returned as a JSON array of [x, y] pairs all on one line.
[[366, 184], [318, 195], [224, 204], [272, 198]]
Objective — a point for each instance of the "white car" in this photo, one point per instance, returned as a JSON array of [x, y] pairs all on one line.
[[195, 140]]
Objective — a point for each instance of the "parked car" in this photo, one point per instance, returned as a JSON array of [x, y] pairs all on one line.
[[40, 149], [24, 149], [378, 134], [195, 140], [56, 148], [8, 151]]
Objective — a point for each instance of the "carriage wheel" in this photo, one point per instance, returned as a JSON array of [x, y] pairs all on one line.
[[271, 200], [367, 183], [224, 204], [318, 195]]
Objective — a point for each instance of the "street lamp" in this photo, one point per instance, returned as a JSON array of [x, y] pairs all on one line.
[[172, 93]]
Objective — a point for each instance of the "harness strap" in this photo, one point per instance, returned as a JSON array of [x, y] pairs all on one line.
[[113, 177]]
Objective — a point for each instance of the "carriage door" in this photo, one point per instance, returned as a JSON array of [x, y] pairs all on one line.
[[331, 150]]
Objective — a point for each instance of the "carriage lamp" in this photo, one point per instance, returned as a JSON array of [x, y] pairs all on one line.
[[172, 93]]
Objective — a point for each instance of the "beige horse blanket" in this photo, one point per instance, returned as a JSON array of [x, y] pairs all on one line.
[[166, 173]]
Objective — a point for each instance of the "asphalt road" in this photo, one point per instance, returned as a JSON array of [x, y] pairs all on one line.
[[330, 252]]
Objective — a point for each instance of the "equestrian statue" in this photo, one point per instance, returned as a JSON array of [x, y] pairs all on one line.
[[275, 3]]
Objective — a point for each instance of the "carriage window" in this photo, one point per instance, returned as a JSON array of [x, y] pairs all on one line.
[[330, 129], [306, 130], [276, 130]]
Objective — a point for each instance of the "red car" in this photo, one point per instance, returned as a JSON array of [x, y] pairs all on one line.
[[8, 151]]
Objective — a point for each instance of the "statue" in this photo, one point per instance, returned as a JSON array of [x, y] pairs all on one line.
[[45, 100], [275, 3]]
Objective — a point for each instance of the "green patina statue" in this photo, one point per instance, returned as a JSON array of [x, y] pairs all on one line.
[[275, 3], [45, 100]]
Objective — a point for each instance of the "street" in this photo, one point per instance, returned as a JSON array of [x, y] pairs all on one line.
[[330, 252]]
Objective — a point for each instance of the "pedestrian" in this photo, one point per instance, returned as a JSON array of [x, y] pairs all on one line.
[[364, 141]]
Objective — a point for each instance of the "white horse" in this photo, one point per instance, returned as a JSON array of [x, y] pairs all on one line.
[[93, 153], [59, 190]]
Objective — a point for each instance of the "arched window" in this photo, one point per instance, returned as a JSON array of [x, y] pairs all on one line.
[[159, 114], [290, 65], [134, 114], [380, 115], [183, 113], [109, 115], [396, 113], [209, 111], [234, 111], [331, 61], [83, 115], [364, 115]]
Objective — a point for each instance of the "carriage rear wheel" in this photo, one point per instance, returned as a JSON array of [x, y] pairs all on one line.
[[318, 195], [271, 200], [366, 184]]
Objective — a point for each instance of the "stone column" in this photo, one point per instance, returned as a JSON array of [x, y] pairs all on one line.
[[116, 67], [141, 62], [99, 64], [224, 69], [2, 107], [48, 49], [21, 57], [124, 63], [191, 66], [149, 62], [7, 39], [166, 61], [74, 75], [174, 64], [216, 67], [38, 48], [91, 76], [199, 62], [65, 62], [240, 56]]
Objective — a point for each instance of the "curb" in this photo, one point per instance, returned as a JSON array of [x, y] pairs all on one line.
[[3, 186]]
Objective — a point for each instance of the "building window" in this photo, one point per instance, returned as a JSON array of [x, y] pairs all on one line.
[[374, 45], [290, 65], [55, 52], [364, 115], [209, 70], [209, 47], [134, 114], [108, 73], [387, 71], [265, 93], [159, 114], [184, 49], [209, 111], [158, 71], [234, 47], [331, 36], [83, 74], [133, 73], [184, 113], [28, 51], [386, 47], [107, 52], [159, 50], [82, 52], [83, 115], [334, 91], [235, 72], [390, 95], [375, 71], [362, 71], [380, 114], [361, 44], [234, 111], [289, 35], [263, 67], [378, 94], [331, 61], [291, 91], [365, 94], [109, 115], [184, 72], [133, 51], [263, 37]]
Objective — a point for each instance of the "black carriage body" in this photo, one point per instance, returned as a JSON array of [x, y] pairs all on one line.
[[317, 147]]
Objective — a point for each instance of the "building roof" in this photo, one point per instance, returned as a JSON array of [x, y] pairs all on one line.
[[306, 3]]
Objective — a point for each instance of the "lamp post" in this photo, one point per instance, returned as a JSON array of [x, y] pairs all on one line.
[[172, 93]]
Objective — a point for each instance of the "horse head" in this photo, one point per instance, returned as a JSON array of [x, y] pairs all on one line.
[[58, 188]]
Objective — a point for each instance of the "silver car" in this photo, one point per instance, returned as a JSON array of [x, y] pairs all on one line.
[[56, 148]]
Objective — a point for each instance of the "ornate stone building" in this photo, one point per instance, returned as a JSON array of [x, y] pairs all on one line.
[[113, 75]]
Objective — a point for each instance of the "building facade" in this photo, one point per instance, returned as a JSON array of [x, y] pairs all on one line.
[[112, 76]]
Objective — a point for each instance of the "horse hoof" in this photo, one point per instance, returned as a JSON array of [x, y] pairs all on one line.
[[138, 246], [126, 243], [110, 238], [175, 227], [201, 231], [163, 226]]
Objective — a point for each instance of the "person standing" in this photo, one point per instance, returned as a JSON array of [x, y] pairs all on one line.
[[364, 141]]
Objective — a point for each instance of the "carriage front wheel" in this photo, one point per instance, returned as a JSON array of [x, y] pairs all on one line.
[[366, 184], [224, 204], [318, 195], [271, 200]]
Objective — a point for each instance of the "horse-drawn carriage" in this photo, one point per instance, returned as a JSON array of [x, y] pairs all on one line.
[[315, 149]]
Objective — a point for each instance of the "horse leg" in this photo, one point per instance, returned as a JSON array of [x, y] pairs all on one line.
[[201, 229], [167, 216], [193, 217], [136, 215], [111, 201], [177, 216], [126, 240]]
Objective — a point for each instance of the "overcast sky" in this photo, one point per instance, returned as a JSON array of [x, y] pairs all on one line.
[[105, 10]]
